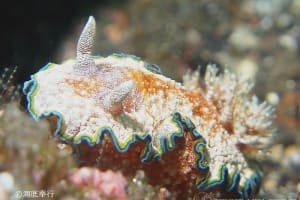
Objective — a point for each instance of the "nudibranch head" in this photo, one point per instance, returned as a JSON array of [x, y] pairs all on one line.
[[121, 113]]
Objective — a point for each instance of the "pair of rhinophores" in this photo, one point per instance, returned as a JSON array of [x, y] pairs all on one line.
[[189, 134]]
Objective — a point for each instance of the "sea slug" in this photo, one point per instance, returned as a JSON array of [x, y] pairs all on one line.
[[119, 112]]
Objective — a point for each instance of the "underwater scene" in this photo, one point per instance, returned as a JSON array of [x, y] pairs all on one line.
[[150, 100]]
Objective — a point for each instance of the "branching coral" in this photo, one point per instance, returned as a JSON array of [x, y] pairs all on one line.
[[248, 120], [120, 113]]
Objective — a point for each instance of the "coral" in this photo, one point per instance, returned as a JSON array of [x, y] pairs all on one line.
[[96, 183], [120, 113], [8, 90], [138, 188], [28, 154]]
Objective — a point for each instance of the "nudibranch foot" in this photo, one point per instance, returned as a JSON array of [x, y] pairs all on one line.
[[119, 112], [108, 155]]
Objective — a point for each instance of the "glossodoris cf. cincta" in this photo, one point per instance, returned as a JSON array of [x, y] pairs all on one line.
[[119, 112]]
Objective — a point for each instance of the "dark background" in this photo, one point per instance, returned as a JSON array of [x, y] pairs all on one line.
[[31, 30]]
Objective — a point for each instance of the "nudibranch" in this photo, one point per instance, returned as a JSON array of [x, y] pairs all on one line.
[[119, 112]]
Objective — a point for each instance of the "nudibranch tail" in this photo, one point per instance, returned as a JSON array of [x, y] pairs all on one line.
[[85, 65]]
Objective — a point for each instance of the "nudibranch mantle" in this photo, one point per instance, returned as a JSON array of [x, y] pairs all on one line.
[[130, 100]]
